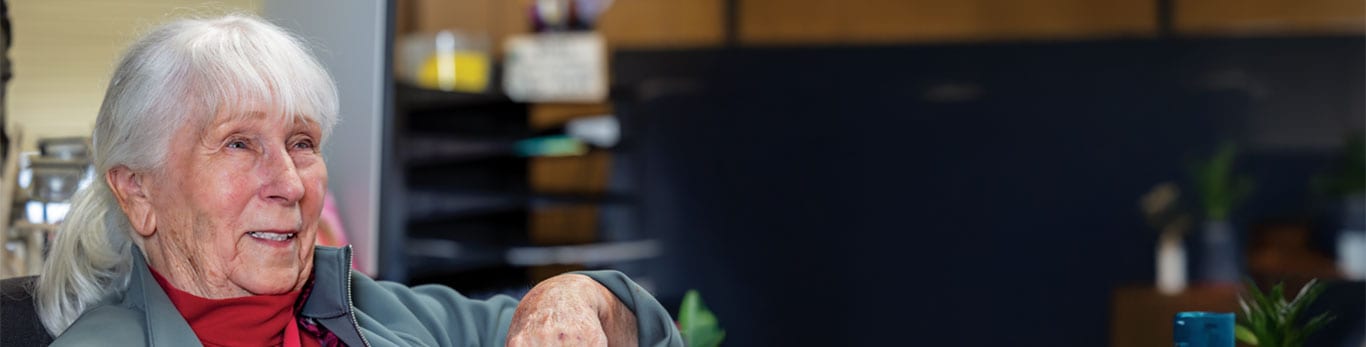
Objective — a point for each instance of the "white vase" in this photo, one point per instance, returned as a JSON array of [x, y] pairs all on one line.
[[1352, 254], [1352, 238], [1171, 265]]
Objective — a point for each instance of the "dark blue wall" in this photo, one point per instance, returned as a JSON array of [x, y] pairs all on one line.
[[964, 195]]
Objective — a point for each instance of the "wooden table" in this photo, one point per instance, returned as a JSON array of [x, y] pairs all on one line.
[[1142, 317]]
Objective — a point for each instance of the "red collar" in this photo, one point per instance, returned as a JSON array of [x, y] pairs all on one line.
[[258, 320]]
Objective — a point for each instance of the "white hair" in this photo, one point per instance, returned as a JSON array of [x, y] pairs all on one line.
[[178, 74]]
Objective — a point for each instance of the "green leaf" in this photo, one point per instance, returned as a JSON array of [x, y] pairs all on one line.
[[1218, 188], [1308, 294], [692, 303], [698, 325], [1317, 323], [1242, 333], [1274, 321]]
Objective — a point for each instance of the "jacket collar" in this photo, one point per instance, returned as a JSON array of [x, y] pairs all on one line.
[[165, 326], [328, 297]]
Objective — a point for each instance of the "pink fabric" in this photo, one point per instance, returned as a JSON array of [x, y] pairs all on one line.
[[332, 233]]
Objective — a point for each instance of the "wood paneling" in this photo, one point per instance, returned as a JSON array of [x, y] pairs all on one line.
[[690, 23], [636, 23], [664, 23], [497, 19], [907, 21], [1262, 17]]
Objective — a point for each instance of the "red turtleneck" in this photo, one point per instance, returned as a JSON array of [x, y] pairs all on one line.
[[258, 320]]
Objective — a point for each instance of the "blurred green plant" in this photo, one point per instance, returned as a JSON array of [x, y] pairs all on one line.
[[1270, 321], [1216, 184], [1349, 178], [697, 324]]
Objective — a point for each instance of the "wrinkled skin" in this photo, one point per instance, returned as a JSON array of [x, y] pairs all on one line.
[[222, 181], [572, 310]]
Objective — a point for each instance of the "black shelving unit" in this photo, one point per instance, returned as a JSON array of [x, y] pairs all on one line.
[[448, 207], [456, 198]]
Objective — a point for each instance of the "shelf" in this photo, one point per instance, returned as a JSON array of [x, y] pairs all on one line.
[[421, 150], [609, 198], [506, 228], [594, 254], [415, 98], [425, 151], [466, 202], [429, 206], [451, 254], [435, 203], [475, 174]]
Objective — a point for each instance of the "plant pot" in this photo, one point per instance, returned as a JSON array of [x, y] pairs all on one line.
[[1351, 242], [1171, 264], [1352, 254], [1219, 253]]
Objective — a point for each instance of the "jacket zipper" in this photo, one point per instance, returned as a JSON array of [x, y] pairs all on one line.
[[351, 305]]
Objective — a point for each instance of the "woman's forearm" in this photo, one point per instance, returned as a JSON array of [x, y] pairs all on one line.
[[572, 309]]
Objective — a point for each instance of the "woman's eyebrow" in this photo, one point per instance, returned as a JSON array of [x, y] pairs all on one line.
[[306, 123], [249, 115]]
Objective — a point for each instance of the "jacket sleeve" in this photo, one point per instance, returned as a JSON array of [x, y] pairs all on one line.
[[392, 314], [653, 323], [434, 315]]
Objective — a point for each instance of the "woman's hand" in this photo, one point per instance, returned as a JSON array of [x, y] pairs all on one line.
[[571, 310]]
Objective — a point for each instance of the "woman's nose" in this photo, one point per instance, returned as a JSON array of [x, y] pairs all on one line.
[[282, 181]]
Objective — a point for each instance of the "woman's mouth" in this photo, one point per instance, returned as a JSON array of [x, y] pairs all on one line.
[[272, 236]]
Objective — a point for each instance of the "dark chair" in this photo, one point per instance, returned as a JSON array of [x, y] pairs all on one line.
[[19, 325]]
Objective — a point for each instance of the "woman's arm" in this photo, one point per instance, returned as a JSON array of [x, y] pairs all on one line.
[[594, 306], [572, 309]]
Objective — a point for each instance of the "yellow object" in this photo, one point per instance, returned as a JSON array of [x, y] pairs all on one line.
[[464, 71]]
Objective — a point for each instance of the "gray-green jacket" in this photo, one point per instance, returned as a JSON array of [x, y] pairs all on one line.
[[358, 310]]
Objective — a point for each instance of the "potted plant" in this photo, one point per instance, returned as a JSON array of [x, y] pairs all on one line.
[[1270, 321], [1160, 209], [1347, 183], [1220, 190]]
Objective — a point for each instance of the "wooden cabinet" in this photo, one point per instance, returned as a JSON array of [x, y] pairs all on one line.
[[1141, 316]]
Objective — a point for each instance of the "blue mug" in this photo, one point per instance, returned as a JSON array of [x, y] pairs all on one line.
[[1203, 329]]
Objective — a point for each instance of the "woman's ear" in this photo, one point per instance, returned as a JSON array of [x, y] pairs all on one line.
[[133, 198]]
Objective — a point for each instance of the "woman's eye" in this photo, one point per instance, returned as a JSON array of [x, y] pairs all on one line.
[[303, 145], [237, 144]]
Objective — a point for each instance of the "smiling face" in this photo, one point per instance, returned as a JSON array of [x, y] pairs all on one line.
[[234, 210]]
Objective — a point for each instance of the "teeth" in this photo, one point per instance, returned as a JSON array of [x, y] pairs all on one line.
[[270, 236]]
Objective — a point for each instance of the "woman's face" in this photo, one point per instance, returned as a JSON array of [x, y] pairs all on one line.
[[235, 211]]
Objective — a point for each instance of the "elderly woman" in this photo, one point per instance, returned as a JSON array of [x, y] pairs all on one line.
[[201, 226]]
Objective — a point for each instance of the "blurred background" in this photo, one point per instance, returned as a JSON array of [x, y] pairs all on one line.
[[869, 172]]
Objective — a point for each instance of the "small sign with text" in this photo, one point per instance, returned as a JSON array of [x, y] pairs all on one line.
[[556, 67]]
